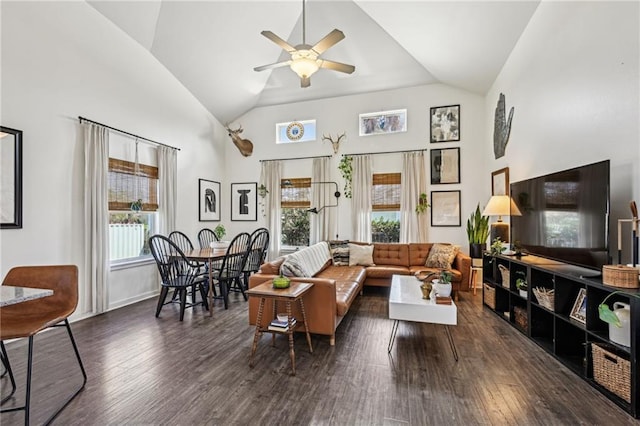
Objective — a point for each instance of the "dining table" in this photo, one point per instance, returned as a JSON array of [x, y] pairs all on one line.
[[209, 255]]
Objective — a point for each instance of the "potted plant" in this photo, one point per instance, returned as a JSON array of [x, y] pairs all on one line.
[[477, 233], [220, 232], [423, 204], [496, 248], [443, 285], [521, 283], [346, 169], [262, 190]]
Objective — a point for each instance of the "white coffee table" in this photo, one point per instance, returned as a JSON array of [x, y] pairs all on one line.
[[406, 304]]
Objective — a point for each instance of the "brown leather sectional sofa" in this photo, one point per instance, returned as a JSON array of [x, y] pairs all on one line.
[[336, 287]]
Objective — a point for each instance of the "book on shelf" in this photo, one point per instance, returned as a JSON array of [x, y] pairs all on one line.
[[277, 325]]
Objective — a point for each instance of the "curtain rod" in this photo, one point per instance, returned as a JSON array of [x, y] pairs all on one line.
[[386, 152], [298, 158], [126, 133]]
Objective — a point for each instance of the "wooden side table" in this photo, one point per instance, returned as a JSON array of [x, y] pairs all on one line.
[[287, 295], [476, 266]]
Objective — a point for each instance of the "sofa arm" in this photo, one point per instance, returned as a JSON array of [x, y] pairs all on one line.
[[320, 304], [462, 263]]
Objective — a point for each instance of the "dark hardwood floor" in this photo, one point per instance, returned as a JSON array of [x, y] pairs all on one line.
[[145, 371]]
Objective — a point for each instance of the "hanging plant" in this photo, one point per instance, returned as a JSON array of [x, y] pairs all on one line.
[[346, 169], [262, 190], [423, 204]]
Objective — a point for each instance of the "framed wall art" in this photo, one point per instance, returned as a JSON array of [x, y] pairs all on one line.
[[244, 202], [208, 200], [445, 208], [445, 166], [579, 310], [500, 182], [445, 123], [377, 123], [10, 178]]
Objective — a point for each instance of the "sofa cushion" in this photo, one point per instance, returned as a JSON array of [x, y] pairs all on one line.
[[339, 252], [306, 262], [386, 271], [418, 253], [391, 254], [273, 267], [360, 255], [346, 292], [343, 273], [441, 256]]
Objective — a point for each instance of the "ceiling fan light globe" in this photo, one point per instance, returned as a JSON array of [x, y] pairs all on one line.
[[304, 67]]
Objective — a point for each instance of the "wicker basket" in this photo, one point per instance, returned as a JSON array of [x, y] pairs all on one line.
[[489, 296], [520, 314], [611, 371], [504, 271], [544, 297], [620, 276]]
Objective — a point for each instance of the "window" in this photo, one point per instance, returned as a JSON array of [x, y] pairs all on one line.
[[295, 200], [385, 200], [133, 205], [296, 131]]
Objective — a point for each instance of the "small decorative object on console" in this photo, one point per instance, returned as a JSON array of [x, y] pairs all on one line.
[[281, 282]]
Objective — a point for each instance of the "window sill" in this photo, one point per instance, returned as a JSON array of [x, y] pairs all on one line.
[[118, 265]]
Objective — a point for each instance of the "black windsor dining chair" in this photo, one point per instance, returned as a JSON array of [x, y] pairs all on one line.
[[257, 253], [205, 237], [230, 273], [177, 272], [181, 240]]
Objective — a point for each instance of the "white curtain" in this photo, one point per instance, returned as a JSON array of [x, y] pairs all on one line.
[[323, 224], [270, 176], [413, 226], [361, 184], [95, 287], [168, 183]]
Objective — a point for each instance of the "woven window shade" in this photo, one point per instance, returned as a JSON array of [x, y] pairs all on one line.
[[125, 187], [385, 193], [297, 194]]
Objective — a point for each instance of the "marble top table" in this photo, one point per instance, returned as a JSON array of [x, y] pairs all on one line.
[[10, 295]]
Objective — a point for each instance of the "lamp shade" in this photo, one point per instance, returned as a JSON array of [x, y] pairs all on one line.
[[500, 205], [304, 63]]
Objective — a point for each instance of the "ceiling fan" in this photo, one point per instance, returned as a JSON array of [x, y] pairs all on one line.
[[305, 59]]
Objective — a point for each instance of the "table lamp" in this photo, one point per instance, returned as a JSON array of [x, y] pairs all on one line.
[[500, 205]]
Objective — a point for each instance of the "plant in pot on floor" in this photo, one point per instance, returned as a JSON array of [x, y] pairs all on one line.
[[521, 284], [477, 233]]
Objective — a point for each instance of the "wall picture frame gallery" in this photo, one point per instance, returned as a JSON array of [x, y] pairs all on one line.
[[208, 200], [445, 166], [500, 182], [10, 178], [244, 202], [445, 124], [445, 208], [383, 122]]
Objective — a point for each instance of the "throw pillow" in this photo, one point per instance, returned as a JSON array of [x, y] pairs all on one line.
[[441, 256], [339, 252], [360, 255]]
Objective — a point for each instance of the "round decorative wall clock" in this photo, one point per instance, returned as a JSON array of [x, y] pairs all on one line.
[[295, 130]]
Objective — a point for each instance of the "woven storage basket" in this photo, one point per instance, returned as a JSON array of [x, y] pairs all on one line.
[[520, 314], [504, 271], [620, 276], [489, 296], [611, 371], [544, 297]]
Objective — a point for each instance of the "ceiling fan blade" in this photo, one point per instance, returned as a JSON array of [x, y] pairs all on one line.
[[277, 40], [337, 66], [305, 82], [329, 40], [272, 66]]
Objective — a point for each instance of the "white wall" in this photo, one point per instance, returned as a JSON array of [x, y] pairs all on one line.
[[61, 60], [573, 80], [336, 115]]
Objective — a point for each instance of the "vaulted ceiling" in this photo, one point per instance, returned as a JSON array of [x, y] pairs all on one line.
[[211, 47]]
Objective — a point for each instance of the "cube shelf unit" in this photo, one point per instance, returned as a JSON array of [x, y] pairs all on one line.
[[568, 340]]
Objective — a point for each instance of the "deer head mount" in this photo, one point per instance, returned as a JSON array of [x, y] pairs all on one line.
[[244, 145], [334, 143]]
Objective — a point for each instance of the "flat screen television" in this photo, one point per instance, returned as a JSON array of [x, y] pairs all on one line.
[[565, 215]]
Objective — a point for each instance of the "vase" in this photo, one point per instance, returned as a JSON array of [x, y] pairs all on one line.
[[426, 290], [523, 293], [475, 250], [442, 289]]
